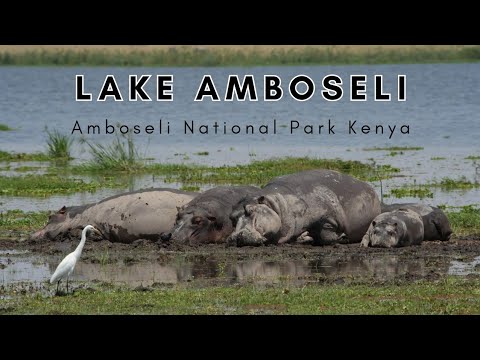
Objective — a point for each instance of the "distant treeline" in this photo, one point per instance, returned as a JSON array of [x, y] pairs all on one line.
[[196, 56]]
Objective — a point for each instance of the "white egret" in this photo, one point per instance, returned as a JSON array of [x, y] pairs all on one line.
[[65, 268]]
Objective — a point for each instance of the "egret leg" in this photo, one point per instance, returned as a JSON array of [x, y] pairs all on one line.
[[58, 283], [67, 284]]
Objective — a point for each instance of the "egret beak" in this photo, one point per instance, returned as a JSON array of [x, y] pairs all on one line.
[[96, 231]]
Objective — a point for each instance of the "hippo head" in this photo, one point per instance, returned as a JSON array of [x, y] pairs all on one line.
[[56, 224], [441, 224], [386, 233], [260, 223], [331, 231], [195, 226]]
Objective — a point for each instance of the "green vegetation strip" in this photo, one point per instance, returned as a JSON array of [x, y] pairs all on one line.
[[45, 185], [418, 192], [394, 148], [6, 156], [195, 56], [453, 184], [256, 172], [465, 222], [17, 220], [423, 190], [4, 127], [447, 296]]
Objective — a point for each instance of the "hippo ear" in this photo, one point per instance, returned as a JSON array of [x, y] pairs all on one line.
[[261, 199], [374, 223], [62, 210]]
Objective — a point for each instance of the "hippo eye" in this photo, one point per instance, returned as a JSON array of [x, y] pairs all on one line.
[[391, 233]]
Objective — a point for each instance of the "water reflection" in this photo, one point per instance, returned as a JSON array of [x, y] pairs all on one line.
[[200, 269], [464, 268]]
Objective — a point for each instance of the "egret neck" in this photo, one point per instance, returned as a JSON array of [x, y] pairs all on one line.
[[79, 248]]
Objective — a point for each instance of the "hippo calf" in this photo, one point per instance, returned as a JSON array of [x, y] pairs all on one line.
[[317, 206], [435, 222], [402, 227], [144, 214], [206, 218]]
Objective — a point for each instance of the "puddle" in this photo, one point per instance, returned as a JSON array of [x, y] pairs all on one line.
[[212, 271], [464, 268]]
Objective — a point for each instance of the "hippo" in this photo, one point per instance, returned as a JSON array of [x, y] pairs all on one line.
[[402, 227], [435, 222], [206, 218], [314, 206], [125, 218]]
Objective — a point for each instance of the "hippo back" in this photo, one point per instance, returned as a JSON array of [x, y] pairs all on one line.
[[358, 199]]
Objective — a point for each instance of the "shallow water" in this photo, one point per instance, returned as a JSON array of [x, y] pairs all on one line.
[[465, 268], [23, 267]]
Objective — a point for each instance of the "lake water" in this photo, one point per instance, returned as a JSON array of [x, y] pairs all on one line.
[[442, 110]]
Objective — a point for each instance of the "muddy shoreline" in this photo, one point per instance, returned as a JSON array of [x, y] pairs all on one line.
[[145, 263]]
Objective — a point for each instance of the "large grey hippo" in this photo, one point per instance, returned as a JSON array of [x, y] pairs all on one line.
[[206, 218], [402, 227], [143, 214], [435, 222], [319, 206]]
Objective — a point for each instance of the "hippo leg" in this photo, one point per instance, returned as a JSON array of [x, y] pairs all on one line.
[[365, 241], [305, 238]]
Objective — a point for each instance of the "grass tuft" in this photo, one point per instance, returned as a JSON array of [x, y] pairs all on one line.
[[58, 145]]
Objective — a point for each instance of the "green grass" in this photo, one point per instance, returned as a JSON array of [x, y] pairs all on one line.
[[17, 220], [420, 192], [472, 157], [256, 172], [50, 184], [394, 148], [202, 153], [466, 221], [437, 158], [395, 153], [446, 296], [261, 172], [424, 190], [10, 156], [454, 184], [194, 56], [4, 127], [121, 155], [58, 145], [27, 168]]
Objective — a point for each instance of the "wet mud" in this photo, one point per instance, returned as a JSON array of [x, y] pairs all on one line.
[[27, 266]]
